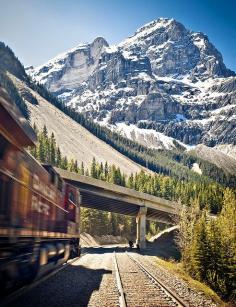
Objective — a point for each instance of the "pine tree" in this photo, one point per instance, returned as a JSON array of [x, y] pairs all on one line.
[[76, 168], [45, 132], [130, 182], [58, 157], [41, 150], [200, 254], [106, 171], [227, 225], [93, 169], [71, 166], [64, 163], [52, 150], [82, 168], [101, 171]]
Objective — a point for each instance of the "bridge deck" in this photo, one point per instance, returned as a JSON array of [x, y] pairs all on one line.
[[105, 196]]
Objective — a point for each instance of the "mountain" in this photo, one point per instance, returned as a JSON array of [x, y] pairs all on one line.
[[216, 157], [82, 139], [165, 79], [68, 70], [10, 63], [74, 140]]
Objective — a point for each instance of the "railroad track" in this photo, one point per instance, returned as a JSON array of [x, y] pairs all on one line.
[[138, 287]]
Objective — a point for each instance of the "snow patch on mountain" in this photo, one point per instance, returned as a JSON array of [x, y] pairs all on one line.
[[144, 31], [196, 168], [165, 76], [147, 137]]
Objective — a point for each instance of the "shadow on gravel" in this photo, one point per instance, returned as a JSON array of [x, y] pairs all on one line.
[[104, 249], [72, 287], [166, 252], [165, 249], [164, 246]]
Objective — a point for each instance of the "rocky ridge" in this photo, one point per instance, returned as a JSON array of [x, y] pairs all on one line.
[[164, 77]]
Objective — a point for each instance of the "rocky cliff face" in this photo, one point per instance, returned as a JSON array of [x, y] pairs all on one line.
[[68, 70], [164, 77]]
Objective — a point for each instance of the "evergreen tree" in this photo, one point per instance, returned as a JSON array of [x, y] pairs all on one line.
[[93, 170], [58, 157], [130, 182], [45, 132], [41, 154], [106, 171], [82, 168], [64, 163], [200, 250], [52, 150]]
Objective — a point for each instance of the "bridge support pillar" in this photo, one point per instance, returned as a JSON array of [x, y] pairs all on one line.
[[141, 227]]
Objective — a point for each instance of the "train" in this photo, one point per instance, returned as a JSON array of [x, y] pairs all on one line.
[[39, 212]]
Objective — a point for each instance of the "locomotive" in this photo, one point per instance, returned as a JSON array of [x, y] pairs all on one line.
[[39, 212]]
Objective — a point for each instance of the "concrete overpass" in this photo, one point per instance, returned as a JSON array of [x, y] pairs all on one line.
[[98, 194]]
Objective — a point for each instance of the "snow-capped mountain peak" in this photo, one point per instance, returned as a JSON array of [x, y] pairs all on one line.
[[164, 77], [146, 30]]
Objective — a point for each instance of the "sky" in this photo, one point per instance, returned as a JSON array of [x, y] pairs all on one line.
[[38, 30]]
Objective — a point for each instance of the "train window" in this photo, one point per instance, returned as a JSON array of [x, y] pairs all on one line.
[[59, 184], [4, 195], [72, 197], [3, 146], [52, 177]]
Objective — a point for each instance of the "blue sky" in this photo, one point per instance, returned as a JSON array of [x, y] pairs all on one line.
[[38, 30]]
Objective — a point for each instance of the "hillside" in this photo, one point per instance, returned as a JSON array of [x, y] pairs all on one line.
[[164, 244], [74, 140], [228, 149], [216, 157]]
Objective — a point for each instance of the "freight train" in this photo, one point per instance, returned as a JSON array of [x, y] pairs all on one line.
[[39, 212]]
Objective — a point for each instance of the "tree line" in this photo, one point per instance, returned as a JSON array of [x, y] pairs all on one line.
[[209, 194], [208, 245], [9, 63]]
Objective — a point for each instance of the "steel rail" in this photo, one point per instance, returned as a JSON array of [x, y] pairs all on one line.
[[169, 292], [122, 299]]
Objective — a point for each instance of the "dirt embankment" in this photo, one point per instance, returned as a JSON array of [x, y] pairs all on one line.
[[164, 244], [87, 240]]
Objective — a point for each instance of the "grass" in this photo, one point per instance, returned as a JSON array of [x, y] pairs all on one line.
[[177, 268]]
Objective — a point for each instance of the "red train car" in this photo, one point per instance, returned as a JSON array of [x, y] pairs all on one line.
[[39, 212]]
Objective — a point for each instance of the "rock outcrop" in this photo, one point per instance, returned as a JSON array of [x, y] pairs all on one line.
[[164, 77]]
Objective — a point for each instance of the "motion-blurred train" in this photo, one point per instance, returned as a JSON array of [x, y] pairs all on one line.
[[39, 212]]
